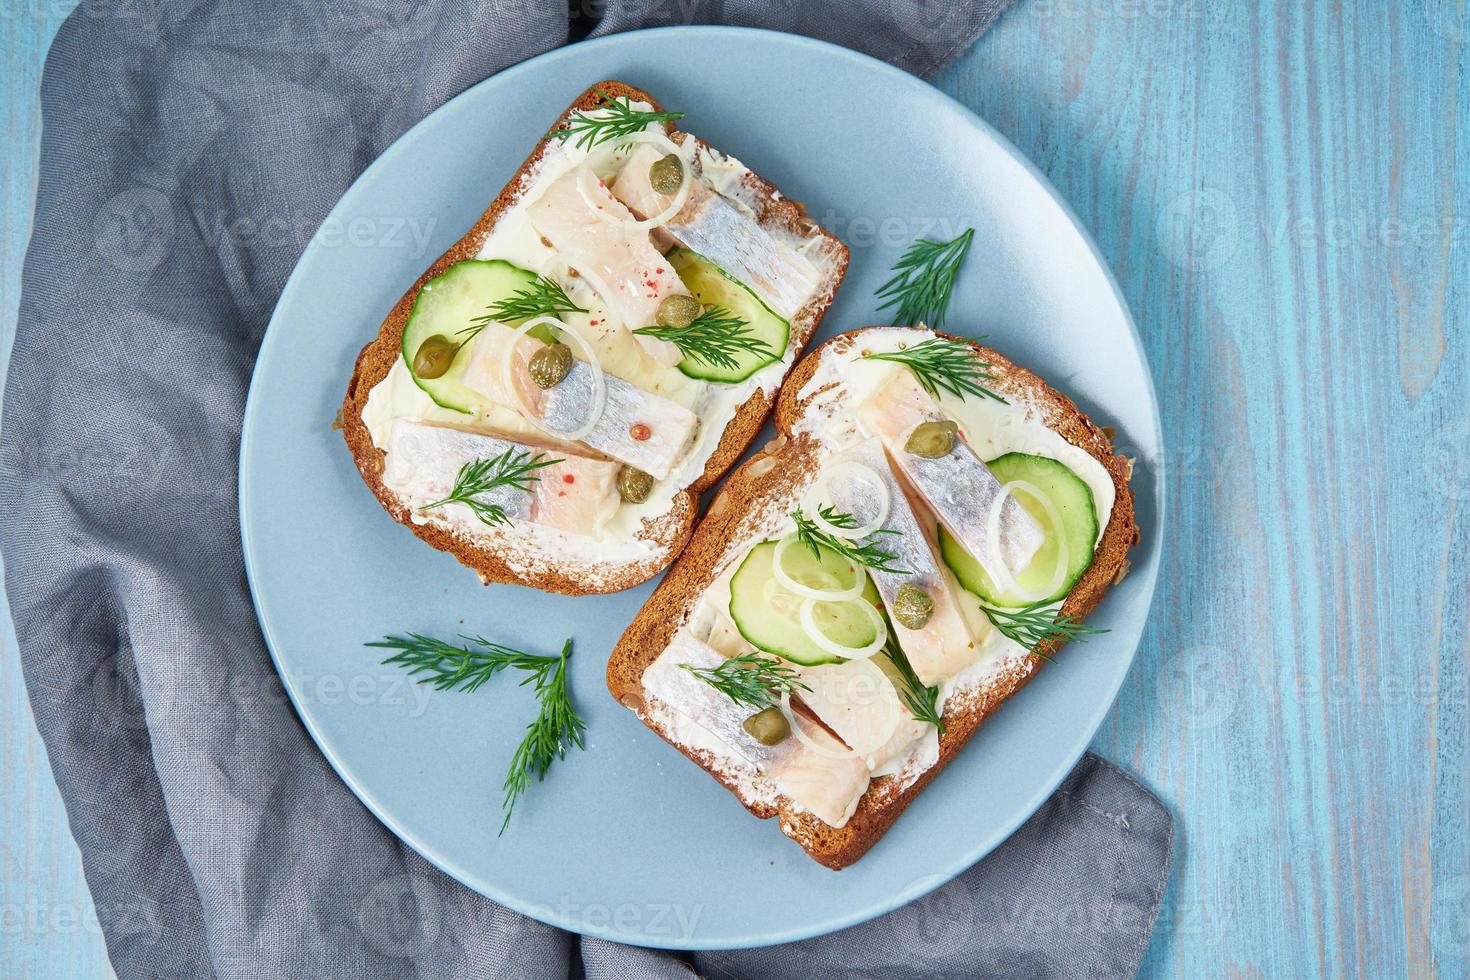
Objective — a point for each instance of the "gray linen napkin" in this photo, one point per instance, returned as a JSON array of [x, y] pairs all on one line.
[[215, 838]]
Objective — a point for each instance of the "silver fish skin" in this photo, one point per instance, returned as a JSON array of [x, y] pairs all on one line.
[[958, 487], [906, 541], [629, 412], [724, 232], [829, 783], [423, 461], [706, 707], [946, 644]]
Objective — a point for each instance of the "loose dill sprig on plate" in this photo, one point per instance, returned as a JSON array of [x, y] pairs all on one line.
[[617, 120], [466, 667], [941, 364], [715, 337], [923, 279], [512, 468], [544, 297], [458, 667], [1038, 624], [751, 678], [870, 555], [556, 728], [921, 699]]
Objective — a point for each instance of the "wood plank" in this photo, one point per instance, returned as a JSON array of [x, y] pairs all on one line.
[[1276, 186]]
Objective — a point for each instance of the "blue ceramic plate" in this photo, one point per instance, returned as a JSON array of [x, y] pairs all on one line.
[[628, 840]]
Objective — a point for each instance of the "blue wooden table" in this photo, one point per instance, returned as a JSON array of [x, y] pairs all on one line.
[[1283, 190]]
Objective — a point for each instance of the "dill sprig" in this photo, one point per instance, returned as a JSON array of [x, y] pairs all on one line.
[[943, 364], [556, 728], [544, 297], [449, 667], [871, 554], [617, 120], [921, 699], [751, 679], [715, 337], [1038, 624], [512, 468], [923, 279]]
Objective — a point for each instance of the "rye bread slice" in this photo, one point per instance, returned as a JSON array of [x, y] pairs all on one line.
[[501, 555], [765, 487]]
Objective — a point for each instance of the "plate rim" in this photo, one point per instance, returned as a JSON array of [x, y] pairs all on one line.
[[1156, 456]]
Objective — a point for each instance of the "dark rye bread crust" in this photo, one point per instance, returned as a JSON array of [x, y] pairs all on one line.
[[781, 467], [672, 529]]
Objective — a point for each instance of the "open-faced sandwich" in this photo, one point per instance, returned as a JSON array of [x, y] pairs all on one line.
[[931, 522], [549, 398]]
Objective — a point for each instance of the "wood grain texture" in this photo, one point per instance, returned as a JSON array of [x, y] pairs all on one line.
[[1282, 192]]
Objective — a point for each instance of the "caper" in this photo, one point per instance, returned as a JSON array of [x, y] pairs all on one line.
[[550, 364], [433, 357], [666, 174], [912, 606], [932, 439], [634, 484], [677, 311], [768, 727]]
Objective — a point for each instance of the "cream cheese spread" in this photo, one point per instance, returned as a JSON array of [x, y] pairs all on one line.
[[842, 381]]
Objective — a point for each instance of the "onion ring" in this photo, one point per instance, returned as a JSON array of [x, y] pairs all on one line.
[[1006, 580], [606, 152], [807, 591], [862, 472], [599, 383]]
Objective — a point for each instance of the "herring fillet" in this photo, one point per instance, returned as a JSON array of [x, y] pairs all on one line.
[[958, 487], [630, 275], [565, 406], [945, 645], [577, 494], [829, 783], [636, 426], [706, 707], [724, 233]]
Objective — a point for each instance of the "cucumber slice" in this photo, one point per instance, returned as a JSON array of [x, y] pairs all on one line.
[[446, 305], [1073, 500], [714, 286], [768, 614]]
